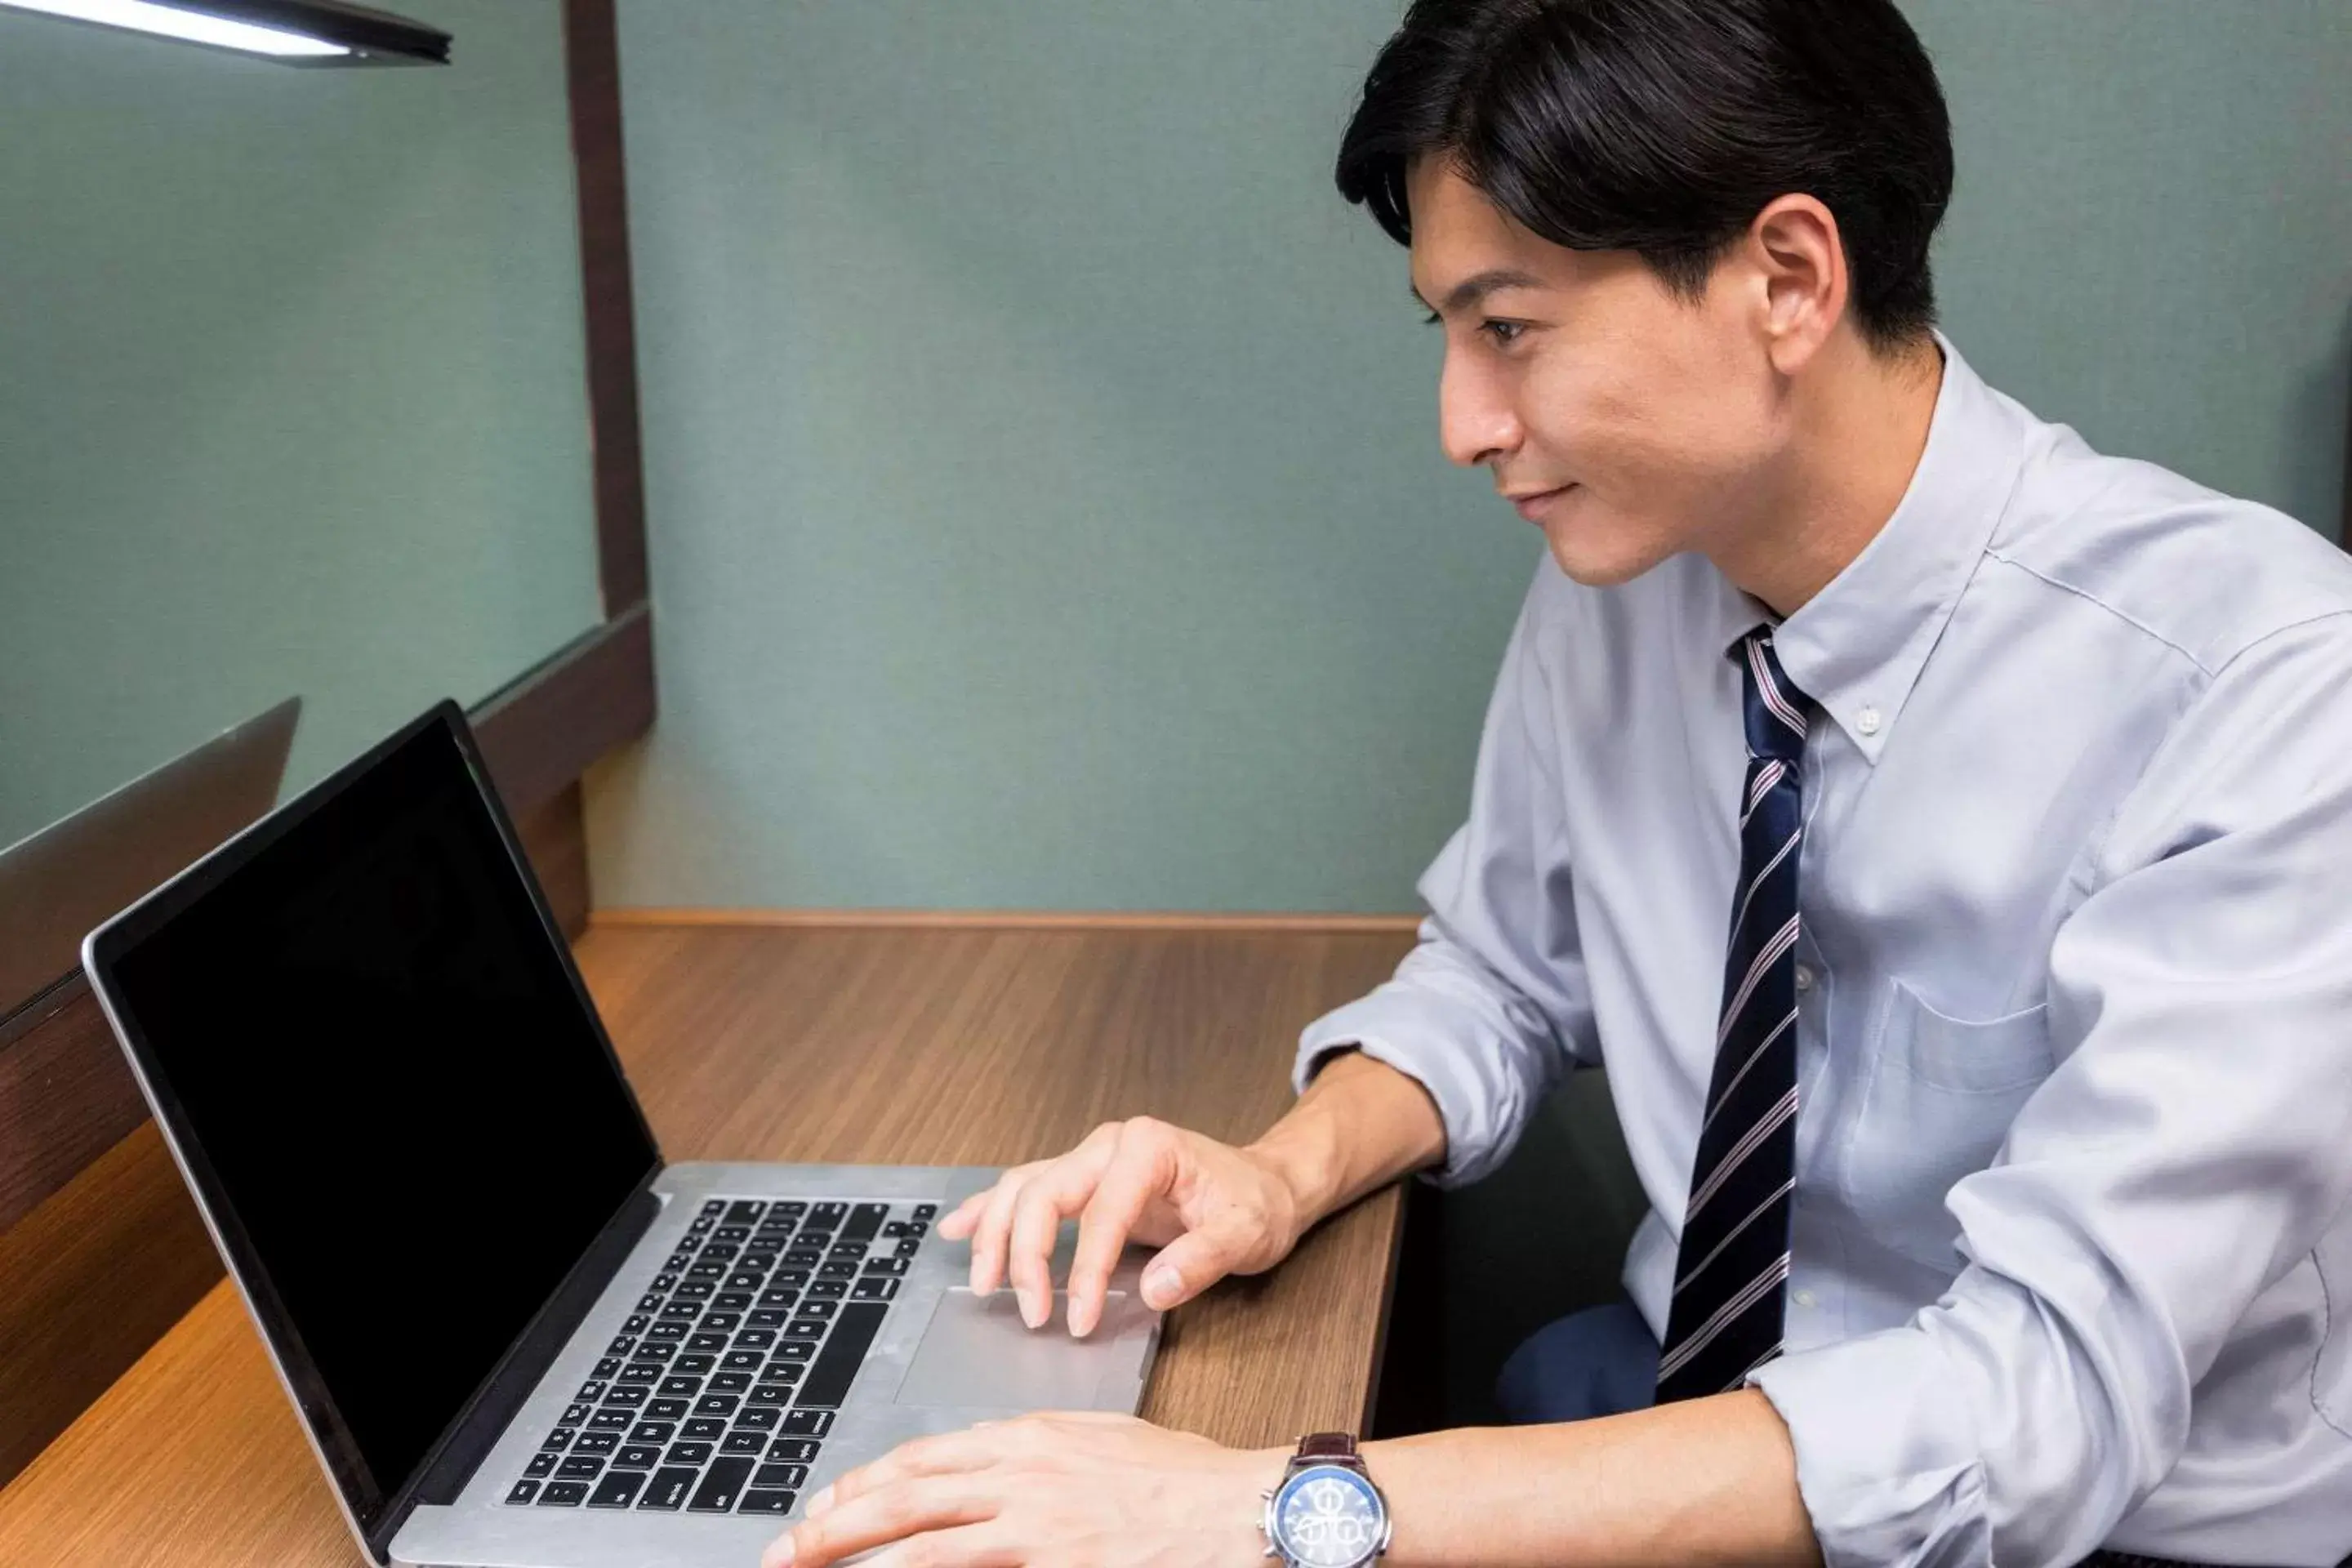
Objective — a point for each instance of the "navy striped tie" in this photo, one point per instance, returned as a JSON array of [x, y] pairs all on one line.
[[1732, 1272]]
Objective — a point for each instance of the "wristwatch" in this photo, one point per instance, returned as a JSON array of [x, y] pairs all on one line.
[[1326, 1513]]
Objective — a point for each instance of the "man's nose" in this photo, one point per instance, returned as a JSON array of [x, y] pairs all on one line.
[[1475, 423]]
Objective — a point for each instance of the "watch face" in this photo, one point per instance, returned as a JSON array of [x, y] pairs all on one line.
[[1328, 1517]]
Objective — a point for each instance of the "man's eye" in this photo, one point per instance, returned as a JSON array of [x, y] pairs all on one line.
[[1505, 333], [1431, 317]]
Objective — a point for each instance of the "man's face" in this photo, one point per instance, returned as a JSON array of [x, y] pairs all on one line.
[[1649, 419]]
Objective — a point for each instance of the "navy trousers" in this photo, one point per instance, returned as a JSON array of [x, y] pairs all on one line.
[[1599, 1362]]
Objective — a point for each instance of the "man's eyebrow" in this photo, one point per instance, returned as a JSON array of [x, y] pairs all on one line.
[[1478, 285]]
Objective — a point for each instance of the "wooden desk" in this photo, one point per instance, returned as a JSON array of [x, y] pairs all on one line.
[[937, 1047]]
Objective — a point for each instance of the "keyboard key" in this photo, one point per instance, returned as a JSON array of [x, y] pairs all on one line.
[[707, 1342], [715, 1207], [876, 1290], [705, 1428], [670, 1333], [762, 1321], [846, 1249], [795, 1208], [837, 1363], [693, 1365], [622, 1345], [562, 1494], [886, 1266], [766, 1502], [590, 1391], [805, 1328], [667, 1490], [720, 1485], [807, 1423], [666, 1409], [743, 1443], [637, 1457], [610, 1421], [650, 1303], [701, 1224], [733, 1301], [540, 1465], [718, 1252], [618, 1490], [558, 1440], [638, 1374], [803, 1258], [768, 1393], [752, 1418], [695, 1290], [687, 1311], [707, 1275], [772, 1303], [656, 1350], [790, 1277], [755, 1339], [663, 1281], [793, 1349], [838, 1269], [793, 1450], [608, 1367], [815, 1309], [626, 1398], [635, 1323], [723, 1320], [578, 1469], [730, 1232], [523, 1492], [909, 1248], [925, 1211], [681, 1387], [742, 1361], [827, 1214], [783, 1371], [828, 1289], [780, 1476], [687, 1453], [716, 1405], [596, 1443], [865, 1220], [743, 1210], [653, 1432], [729, 1382]]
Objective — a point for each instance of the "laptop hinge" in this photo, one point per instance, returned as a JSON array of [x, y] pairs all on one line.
[[462, 1447]]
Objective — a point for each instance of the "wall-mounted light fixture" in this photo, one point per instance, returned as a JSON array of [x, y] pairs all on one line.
[[297, 32]]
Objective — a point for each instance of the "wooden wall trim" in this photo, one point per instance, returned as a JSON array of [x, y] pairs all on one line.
[[1008, 920], [540, 733]]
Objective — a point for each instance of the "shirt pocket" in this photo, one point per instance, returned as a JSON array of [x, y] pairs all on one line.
[[1943, 1092]]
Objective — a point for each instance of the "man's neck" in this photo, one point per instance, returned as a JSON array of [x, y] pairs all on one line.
[[1861, 429]]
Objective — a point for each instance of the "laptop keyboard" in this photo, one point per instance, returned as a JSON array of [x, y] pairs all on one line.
[[718, 1393]]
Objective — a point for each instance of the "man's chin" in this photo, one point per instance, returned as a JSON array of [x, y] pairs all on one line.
[[1594, 562]]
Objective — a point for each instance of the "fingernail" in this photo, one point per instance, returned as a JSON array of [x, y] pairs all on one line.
[[1031, 1313], [819, 1503], [1160, 1284]]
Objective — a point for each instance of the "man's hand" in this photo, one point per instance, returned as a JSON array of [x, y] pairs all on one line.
[[1054, 1490], [1210, 1208]]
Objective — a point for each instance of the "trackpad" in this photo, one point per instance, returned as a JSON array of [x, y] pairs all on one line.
[[977, 1350]]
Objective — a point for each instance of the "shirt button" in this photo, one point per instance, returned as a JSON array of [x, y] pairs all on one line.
[[1806, 1299], [1804, 977], [1867, 721]]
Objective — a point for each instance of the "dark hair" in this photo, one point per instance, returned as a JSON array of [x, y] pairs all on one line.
[[1664, 127]]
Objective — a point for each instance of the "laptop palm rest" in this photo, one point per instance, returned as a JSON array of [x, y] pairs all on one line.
[[976, 1350]]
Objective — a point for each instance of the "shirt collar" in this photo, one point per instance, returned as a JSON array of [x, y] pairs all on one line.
[[1857, 646]]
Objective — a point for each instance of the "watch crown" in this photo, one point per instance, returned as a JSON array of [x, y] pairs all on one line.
[[1267, 1494]]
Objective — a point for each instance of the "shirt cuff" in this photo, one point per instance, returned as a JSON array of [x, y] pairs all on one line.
[[1886, 1459], [1479, 1130]]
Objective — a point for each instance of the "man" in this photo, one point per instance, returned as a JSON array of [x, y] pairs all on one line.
[[1937, 827]]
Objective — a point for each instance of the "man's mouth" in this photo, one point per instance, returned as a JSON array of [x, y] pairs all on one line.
[[1532, 504]]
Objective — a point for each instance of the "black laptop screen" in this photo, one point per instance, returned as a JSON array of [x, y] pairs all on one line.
[[375, 1045]]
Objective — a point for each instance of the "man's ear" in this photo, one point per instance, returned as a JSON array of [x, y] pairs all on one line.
[[1800, 263]]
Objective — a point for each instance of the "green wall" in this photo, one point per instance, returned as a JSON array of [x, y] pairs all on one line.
[[291, 392], [1047, 510]]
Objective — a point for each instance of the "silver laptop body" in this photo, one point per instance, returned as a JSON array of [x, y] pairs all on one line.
[[454, 1374]]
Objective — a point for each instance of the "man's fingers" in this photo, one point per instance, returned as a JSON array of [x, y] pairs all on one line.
[[994, 1223], [883, 1515], [958, 1222], [1139, 1172], [1063, 1188]]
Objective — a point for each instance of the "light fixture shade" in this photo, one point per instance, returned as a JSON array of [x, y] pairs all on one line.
[[293, 32]]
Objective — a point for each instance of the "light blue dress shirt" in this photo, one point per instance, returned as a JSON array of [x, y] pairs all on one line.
[[2073, 1256]]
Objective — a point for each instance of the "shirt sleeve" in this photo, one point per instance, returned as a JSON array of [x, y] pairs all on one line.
[[2189, 1148], [1490, 1008]]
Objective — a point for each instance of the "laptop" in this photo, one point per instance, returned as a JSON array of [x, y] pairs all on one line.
[[55, 883], [517, 1337]]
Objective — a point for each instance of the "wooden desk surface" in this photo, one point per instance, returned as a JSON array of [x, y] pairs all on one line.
[[936, 1047]]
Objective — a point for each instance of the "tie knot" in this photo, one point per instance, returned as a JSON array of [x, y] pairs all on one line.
[[1774, 709]]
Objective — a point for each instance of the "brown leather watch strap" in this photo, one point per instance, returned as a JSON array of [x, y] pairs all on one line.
[[1329, 1448]]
